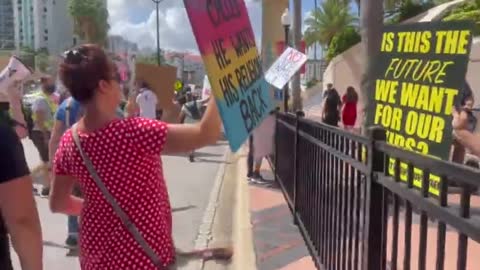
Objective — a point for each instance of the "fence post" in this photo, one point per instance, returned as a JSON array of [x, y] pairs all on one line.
[[299, 114], [374, 218]]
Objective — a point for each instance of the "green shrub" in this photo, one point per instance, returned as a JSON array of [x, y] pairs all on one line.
[[342, 42], [468, 10], [410, 9], [311, 83], [42, 62], [469, 5], [406, 10]]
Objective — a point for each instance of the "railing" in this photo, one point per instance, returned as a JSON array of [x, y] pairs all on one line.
[[353, 215]]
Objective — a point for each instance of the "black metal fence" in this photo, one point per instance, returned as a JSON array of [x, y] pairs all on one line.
[[354, 215]]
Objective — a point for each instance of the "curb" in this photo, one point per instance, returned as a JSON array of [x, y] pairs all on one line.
[[244, 250], [204, 235]]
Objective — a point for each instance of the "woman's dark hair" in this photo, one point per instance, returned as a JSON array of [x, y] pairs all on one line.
[[144, 84], [82, 69], [351, 95]]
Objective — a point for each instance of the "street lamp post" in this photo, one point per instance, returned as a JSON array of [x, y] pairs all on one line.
[[157, 2], [286, 21]]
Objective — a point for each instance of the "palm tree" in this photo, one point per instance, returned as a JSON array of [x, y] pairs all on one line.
[[331, 18], [91, 20]]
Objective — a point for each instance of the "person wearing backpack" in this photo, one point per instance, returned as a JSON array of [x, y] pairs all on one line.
[[192, 112], [331, 108], [68, 113]]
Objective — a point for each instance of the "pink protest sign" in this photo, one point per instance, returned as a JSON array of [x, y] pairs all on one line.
[[227, 44]]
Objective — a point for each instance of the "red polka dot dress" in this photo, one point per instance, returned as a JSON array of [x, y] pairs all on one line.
[[126, 155]]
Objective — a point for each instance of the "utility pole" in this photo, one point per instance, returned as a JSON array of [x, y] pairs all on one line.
[[297, 38], [159, 59]]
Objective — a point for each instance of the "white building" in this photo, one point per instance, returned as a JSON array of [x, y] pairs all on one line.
[[190, 67], [7, 32], [119, 45], [43, 24]]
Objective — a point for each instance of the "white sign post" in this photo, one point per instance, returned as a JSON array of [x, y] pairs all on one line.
[[285, 67]]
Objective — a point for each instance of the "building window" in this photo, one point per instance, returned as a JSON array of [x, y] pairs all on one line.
[[45, 9], [46, 31], [45, 38]]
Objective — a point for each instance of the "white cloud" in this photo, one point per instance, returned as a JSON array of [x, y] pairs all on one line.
[[137, 22]]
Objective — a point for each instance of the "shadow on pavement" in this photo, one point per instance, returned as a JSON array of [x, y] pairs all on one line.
[[206, 154], [184, 208], [71, 252], [212, 161]]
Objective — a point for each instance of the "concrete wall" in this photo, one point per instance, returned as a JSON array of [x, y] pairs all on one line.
[[272, 32], [473, 73]]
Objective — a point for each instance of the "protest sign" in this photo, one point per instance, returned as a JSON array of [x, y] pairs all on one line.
[[285, 67], [207, 88], [161, 80], [419, 76], [264, 138], [178, 86], [227, 44]]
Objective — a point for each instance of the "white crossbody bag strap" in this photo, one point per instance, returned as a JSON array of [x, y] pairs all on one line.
[[118, 210]]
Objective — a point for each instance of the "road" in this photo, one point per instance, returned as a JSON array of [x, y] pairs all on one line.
[[189, 187]]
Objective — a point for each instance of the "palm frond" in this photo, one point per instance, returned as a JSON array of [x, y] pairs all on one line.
[[332, 17]]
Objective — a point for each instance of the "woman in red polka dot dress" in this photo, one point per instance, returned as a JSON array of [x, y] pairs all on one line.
[[126, 155]]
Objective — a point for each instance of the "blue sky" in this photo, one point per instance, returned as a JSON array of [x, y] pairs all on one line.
[[135, 20]]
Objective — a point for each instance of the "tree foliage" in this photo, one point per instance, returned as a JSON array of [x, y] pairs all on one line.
[[469, 10], [342, 42], [150, 59], [406, 9], [331, 18], [39, 59], [42, 62], [91, 20]]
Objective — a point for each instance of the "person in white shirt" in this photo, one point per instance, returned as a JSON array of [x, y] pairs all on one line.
[[147, 101]]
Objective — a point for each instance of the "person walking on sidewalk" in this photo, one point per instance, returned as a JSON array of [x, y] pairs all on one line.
[[68, 113], [43, 110], [349, 111], [192, 112], [331, 108], [18, 212], [146, 101], [118, 166]]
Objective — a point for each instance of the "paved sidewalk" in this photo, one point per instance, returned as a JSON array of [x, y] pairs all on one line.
[[277, 241]]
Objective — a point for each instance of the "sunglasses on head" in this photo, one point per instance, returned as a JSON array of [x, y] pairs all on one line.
[[74, 57]]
